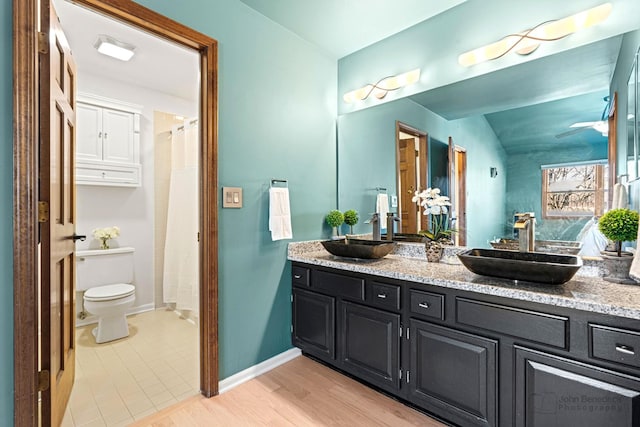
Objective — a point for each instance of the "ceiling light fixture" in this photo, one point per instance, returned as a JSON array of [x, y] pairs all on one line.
[[528, 41], [383, 86], [109, 46]]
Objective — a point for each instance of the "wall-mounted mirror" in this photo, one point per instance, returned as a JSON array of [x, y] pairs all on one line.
[[633, 150], [512, 124]]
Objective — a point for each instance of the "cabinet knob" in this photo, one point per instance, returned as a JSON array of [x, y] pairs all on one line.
[[297, 276], [625, 349], [382, 296], [424, 305]]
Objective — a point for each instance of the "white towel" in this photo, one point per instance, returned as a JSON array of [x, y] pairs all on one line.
[[634, 271], [620, 199], [279, 214], [382, 207]]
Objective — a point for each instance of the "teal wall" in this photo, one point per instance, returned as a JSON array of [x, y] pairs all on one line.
[[276, 120], [524, 187], [367, 159], [6, 215], [277, 112]]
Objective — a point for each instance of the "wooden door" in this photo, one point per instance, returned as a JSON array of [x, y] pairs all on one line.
[[457, 172], [461, 196], [57, 195], [407, 180]]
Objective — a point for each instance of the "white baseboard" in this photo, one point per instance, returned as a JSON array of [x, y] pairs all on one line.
[[257, 370]]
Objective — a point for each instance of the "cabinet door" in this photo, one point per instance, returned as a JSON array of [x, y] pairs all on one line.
[[370, 344], [313, 318], [117, 136], [453, 374], [555, 392], [88, 132]]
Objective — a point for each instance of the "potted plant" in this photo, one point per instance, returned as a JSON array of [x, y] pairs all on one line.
[[351, 218], [335, 218], [619, 225], [438, 231]]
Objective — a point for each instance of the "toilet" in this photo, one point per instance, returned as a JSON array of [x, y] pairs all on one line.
[[106, 276]]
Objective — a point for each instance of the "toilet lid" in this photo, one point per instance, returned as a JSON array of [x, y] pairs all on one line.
[[103, 293]]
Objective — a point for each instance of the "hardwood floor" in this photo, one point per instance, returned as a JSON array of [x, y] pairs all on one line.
[[299, 393]]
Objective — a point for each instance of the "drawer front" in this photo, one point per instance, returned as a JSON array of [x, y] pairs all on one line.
[[615, 345], [427, 304], [300, 276], [339, 285], [384, 295], [534, 326]]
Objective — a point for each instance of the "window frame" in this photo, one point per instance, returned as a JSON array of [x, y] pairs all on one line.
[[601, 188]]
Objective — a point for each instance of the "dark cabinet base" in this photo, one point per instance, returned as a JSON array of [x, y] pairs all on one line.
[[370, 344], [556, 392], [455, 373]]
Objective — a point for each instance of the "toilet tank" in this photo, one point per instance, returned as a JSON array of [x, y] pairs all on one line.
[[100, 267]]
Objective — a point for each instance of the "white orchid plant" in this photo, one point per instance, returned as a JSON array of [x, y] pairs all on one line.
[[435, 205]]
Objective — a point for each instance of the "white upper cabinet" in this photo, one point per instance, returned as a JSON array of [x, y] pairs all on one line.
[[107, 142]]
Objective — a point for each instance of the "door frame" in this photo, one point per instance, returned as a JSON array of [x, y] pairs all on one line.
[[26, 190], [423, 138]]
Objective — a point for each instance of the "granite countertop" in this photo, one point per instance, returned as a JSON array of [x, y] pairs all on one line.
[[584, 292]]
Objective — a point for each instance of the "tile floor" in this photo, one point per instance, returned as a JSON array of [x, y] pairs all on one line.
[[126, 380]]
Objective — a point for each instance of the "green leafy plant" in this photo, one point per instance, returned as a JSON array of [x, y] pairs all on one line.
[[351, 218], [619, 225], [335, 218]]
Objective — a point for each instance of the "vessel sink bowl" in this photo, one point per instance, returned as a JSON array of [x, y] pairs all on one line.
[[552, 269], [550, 246], [359, 248]]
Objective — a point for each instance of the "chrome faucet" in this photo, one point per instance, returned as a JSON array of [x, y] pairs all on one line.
[[391, 219], [526, 225], [375, 222]]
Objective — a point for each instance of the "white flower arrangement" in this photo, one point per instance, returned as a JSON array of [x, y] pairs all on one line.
[[435, 205], [104, 234]]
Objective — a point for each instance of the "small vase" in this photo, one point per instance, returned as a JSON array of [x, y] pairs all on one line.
[[433, 250], [104, 243], [335, 235], [617, 267]]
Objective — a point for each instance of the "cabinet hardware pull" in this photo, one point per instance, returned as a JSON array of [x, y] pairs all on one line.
[[105, 135], [424, 305], [382, 296], [297, 276], [624, 349]]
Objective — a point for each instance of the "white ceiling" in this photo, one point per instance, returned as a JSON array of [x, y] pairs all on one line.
[[158, 65], [341, 27]]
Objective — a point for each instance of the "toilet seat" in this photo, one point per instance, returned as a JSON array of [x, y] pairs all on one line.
[[109, 292]]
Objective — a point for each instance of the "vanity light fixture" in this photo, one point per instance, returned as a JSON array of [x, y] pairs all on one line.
[[528, 41], [109, 46], [383, 86]]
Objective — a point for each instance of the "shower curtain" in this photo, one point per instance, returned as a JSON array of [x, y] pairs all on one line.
[[181, 255]]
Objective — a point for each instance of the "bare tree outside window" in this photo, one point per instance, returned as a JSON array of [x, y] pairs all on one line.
[[574, 190]]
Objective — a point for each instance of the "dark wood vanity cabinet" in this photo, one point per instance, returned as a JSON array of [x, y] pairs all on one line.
[[314, 328], [454, 373], [553, 391], [370, 344], [469, 358]]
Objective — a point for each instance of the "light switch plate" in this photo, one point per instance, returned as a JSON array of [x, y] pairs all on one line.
[[394, 201], [232, 197]]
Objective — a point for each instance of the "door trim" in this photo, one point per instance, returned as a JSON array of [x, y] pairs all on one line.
[[25, 189]]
